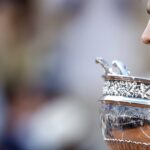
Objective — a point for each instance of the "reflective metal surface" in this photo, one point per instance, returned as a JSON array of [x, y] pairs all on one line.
[[125, 108]]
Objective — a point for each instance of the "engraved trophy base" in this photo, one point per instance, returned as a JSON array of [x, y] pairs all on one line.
[[126, 145]]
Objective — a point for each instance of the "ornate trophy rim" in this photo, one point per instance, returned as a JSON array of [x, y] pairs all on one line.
[[126, 78], [122, 100], [119, 86]]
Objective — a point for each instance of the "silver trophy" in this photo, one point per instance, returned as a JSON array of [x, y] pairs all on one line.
[[125, 108]]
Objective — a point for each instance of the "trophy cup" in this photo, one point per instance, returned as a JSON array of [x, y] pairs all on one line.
[[125, 108]]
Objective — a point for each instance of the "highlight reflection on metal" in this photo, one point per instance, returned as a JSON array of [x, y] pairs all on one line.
[[121, 68], [126, 100], [105, 65]]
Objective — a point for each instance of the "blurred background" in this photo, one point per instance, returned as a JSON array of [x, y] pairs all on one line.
[[49, 82]]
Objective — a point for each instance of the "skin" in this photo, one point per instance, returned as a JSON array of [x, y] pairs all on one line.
[[146, 34]]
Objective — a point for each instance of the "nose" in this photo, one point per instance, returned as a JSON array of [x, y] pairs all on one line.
[[146, 34]]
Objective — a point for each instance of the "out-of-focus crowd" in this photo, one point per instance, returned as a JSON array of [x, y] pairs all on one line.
[[49, 83]]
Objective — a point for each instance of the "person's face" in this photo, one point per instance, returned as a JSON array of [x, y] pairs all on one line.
[[146, 34]]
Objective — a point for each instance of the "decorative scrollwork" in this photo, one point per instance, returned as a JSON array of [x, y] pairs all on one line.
[[126, 89]]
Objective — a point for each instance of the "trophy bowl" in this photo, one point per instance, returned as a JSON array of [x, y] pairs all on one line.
[[125, 108]]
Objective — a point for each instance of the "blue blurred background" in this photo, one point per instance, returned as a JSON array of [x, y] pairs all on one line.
[[49, 83]]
